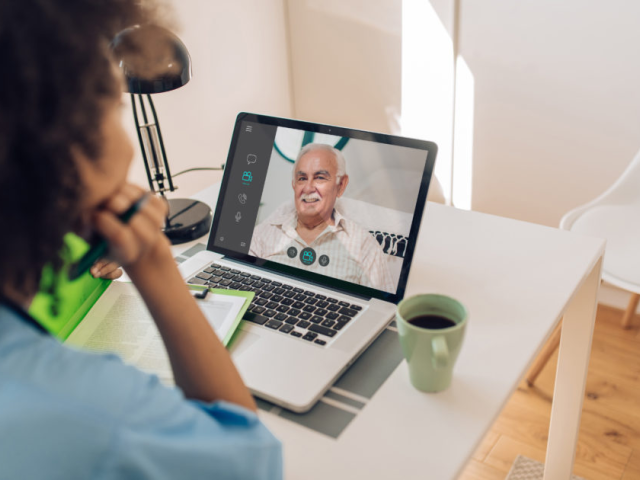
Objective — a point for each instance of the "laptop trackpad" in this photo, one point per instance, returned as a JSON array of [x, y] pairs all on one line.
[[243, 341]]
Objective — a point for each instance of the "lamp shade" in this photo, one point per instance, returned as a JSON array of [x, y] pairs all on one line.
[[152, 59]]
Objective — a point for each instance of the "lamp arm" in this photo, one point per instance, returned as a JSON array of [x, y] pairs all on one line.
[[144, 154], [165, 161], [152, 131]]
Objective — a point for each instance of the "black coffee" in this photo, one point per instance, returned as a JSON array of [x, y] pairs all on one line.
[[432, 322]]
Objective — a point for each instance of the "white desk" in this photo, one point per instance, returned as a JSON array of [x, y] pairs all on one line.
[[517, 280]]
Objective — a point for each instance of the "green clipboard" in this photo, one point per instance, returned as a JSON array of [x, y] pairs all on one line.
[[75, 298]]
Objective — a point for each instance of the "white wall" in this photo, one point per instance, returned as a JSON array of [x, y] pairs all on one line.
[[240, 63], [557, 101], [345, 62], [427, 79]]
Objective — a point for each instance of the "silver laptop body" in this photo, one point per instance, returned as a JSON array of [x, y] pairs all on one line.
[[291, 360]]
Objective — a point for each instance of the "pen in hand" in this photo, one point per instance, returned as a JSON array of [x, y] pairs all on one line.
[[100, 250]]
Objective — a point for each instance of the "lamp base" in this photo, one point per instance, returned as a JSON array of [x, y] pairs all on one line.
[[188, 220]]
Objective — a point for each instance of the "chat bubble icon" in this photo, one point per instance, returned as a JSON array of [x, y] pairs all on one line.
[[251, 158]]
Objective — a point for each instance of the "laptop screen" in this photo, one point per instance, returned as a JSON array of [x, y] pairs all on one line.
[[336, 206]]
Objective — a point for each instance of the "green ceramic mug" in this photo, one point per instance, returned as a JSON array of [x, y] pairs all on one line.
[[431, 351]]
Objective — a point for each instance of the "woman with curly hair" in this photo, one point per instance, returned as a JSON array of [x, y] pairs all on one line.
[[64, 158]]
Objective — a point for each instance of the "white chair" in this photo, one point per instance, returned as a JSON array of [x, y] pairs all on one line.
[[615, 216]]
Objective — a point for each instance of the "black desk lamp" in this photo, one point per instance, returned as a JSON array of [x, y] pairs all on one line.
[[154, 60]]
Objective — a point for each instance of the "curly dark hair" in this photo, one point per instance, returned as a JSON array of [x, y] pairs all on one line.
[[56, 75]]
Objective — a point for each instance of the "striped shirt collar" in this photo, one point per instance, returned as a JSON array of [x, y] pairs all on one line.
[[288, 222]]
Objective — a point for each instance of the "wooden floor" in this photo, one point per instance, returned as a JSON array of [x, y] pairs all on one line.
[[609, 441]]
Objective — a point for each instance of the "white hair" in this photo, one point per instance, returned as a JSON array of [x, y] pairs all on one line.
[[340, 162]]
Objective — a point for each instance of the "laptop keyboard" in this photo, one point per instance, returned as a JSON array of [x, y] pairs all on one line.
[[293, 311]]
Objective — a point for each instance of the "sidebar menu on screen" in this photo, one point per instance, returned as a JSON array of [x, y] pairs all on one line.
[[244, 188]]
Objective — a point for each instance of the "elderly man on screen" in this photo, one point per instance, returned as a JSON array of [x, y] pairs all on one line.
[[341, 248]]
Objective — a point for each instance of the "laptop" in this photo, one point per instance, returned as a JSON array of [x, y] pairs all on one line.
[[325, 240]]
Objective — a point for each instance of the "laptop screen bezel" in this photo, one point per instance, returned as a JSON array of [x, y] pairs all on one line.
[[316, 278]]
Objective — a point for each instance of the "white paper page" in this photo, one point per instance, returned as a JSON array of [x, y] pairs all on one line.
[[120, 323]]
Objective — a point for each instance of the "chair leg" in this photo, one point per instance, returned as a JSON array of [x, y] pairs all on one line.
[[630, 311], [544, 356]]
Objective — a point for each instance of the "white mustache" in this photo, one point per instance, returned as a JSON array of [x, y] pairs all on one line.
[[310, 196]]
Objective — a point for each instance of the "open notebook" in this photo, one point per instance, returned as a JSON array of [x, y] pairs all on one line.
[[106, 316]]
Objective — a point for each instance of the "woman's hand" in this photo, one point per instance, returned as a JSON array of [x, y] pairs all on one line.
[[106, 269], [201, 365], [141, 239]]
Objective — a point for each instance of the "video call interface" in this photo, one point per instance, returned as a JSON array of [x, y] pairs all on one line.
[[336, 206]]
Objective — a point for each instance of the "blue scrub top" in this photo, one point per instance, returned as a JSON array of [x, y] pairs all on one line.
[[67, 414]]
